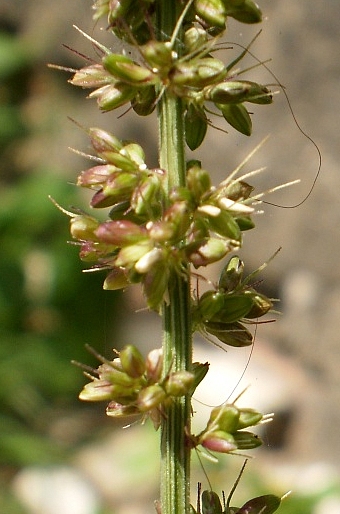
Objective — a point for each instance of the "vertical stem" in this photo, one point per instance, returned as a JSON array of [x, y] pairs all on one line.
[[177, 336], [175, 454]]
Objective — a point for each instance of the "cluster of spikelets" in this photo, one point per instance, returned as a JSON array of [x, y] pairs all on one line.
[[189, 70], [148, 236], [135, 386], [131, 19], [153, 234]]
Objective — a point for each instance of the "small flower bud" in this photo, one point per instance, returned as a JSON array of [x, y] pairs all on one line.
[[114, 374], [118, 188], [246, 12], [148, 260], [236, 190], [135, 153], [161, 231], [117, 410], [132, 361], [178, 216], [198, 180], [158, 55], [210, 303], [179, 383], [213, 12], [91, 251], [121, 160], [146, 198], [224, 417], [150, 397], [96, 176], [93, 76], [100, 200], [261, 304], [224, 224], [230, 205], [96, 391], [116, 279], [126, 70], [129, 255], [228, 92], [120, 233], [258, 94], [83, 227], [154, 365], [209, 251], [235, 92], [231, 275], [218, 441], [155, 284], [248, 418], [145, 101], [234, 308], [211, 211], [194, 39], [198, 73], [111, 97], [103, 141]]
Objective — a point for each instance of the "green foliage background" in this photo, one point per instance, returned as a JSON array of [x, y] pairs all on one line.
[[48, 308]]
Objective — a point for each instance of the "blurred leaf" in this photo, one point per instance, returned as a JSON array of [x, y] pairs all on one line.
[[20, 447], [13, 55]]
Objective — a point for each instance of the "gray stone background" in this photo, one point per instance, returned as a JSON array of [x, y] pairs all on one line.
[[301, 352]]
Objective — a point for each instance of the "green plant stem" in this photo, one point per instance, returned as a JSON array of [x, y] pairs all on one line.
[[175, 454], [177, 335]]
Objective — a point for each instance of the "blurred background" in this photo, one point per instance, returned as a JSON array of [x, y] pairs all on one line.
[[59, 455]]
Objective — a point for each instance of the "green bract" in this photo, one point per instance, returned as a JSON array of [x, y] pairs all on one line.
[[266, 504], [232, 334], [211, 503], [246, 11], [196, 125], [237, 116]]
